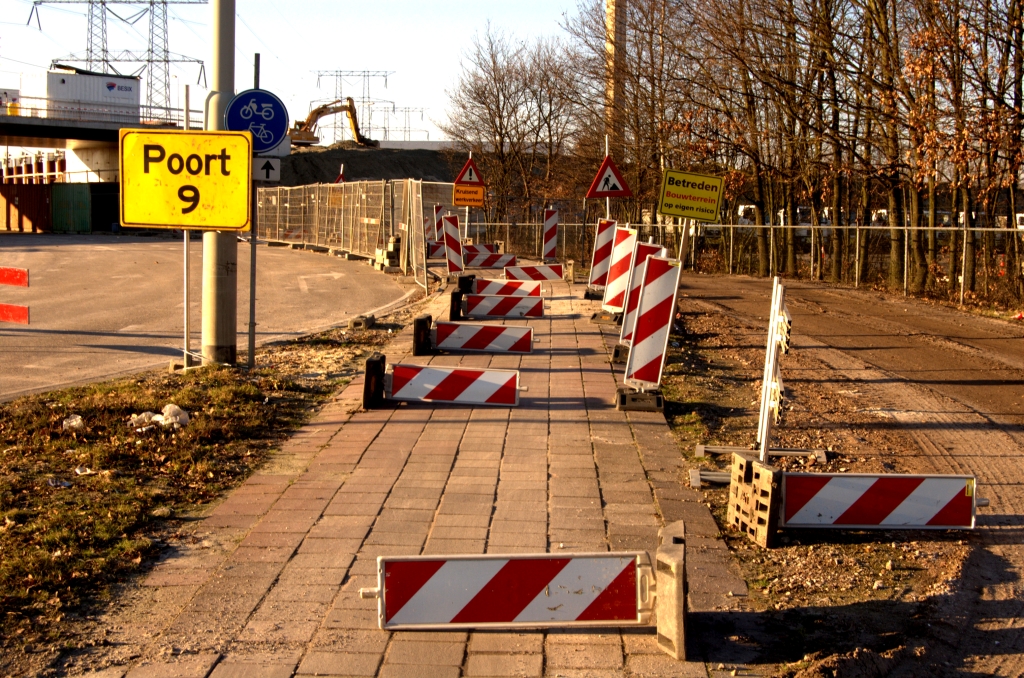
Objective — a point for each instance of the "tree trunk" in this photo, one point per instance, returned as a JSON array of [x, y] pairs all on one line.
[[895, 237], [932, 254], [790, 232], [916, 244]]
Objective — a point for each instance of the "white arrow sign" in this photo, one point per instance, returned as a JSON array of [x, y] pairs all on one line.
[[266, 169]]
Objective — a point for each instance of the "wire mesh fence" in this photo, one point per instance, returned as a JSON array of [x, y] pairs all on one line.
[[361, 217]]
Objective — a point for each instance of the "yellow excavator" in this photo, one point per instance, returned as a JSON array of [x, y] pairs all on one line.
[[304, 132]]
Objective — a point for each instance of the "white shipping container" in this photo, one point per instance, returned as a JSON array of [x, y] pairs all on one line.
[[78, 96]]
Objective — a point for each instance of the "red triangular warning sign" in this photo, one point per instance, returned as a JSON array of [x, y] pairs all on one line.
[[470, 175], [609, 183]]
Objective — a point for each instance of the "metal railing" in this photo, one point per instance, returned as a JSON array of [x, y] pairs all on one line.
[[86, 112], [359, 217]]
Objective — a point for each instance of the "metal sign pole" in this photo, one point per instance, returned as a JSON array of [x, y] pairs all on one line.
[[186, 357], [607, 201], [252, 245]]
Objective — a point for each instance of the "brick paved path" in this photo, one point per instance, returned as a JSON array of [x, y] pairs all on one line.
[[272, 590]]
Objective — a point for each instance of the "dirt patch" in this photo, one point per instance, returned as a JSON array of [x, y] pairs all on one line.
[[836, 597], [320, 165], [83, 508]]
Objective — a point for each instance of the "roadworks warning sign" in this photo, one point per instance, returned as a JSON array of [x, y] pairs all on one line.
[[690, 196]]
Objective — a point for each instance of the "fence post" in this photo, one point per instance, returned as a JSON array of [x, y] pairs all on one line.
[[856, 261], [732, 230]]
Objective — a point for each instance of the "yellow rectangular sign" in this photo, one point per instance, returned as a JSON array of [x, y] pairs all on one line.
[[690, 196], [468, 196], [187, 180]]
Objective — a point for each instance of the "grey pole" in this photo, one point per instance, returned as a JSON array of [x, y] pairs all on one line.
[[252, 246], [186, 358], [220, 250]]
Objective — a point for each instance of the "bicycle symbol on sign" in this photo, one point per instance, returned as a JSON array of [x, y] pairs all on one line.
[[251, 109], [261, 132]]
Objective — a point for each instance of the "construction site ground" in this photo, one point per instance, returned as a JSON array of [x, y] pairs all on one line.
[[266, 583]]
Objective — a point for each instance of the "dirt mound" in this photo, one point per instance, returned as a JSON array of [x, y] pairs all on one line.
[[319, 164]]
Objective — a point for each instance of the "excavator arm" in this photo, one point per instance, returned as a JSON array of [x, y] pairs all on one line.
[[304, 132]]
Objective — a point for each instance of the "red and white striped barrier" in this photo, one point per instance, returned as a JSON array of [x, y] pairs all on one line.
[[886, 501], [654, 314], [453, 244], [482, 248], [489, 260], [476, 337], [438, 224], [602, 258], [507, 288], [493, 306], [548, 272], [435, 249], [453, 385], [618, 271], [517, 591], [636, 276], [550, 235], [13, 313]]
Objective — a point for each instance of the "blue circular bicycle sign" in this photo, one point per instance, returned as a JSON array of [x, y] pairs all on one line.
[[260, 112]]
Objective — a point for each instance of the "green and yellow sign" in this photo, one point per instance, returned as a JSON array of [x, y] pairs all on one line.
[[690, 196]]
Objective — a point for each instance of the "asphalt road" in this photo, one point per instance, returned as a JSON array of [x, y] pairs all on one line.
[[104, 305]]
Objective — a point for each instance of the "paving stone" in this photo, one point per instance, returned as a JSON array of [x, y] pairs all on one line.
[[253, 670], [507, 643], [288, 631], [249, 554], [414, 671], [504, 665], [402, 651], [661, 665], [196, 666], [320, 663], [351, 619], [351, 640], [296, 592], [335, 547], [580, 656]]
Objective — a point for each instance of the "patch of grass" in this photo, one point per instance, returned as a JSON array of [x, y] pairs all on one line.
[[80, 509]]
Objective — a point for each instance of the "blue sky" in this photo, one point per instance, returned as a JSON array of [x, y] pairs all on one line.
[[422, 42]]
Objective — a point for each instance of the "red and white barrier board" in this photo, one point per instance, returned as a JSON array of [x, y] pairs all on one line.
[[482, 248], [15, 277], [518, 591], [493, 306], [548, 272], [438, 224], [603, 238], [636, 273], [618, 270], [654, 314], [477, 337], [886, 501], [550, 234], [454, 385], [453, 244], [508, 288], [489, 260], [435, 249], [13, 313]]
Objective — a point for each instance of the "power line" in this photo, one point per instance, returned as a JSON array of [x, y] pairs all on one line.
[[157, 58]]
